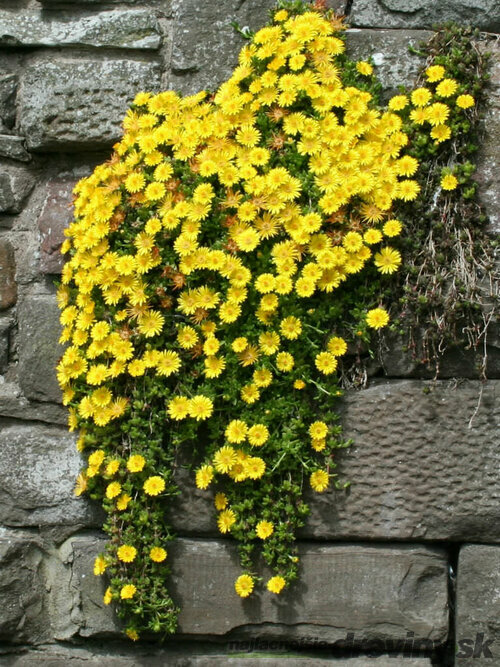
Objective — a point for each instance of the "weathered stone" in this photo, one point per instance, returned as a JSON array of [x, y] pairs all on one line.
[[22, 617], [205, 44], [76, 656], [14, 404], [15, 186], [417, 470], [38, 469], [478, 606], [484, 14], [395, 65], [78, 3], [8, 89], [8, 288], [13, 147], [122, 28], [54, 218], [488, 162], [5, 326], [378, 594], [39, 350], [80, 103]]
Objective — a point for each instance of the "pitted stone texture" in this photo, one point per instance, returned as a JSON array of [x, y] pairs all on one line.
[[13, 148], [205, 44], [5, 327], [38, 468], [80, 103], [22, 612], [39, 350], [484, 14], [389, 50], [478, 606], [14, 404], [379, 594], [15, 186], [8, 287], [76, 656], [417, 470], [125, 28], [55, 216], [488, 162], [8, 89]]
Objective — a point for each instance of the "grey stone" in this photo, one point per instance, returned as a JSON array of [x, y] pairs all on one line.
[[394, 64], [38, 469], [22, 617], [39, 350], [478, 606], [488, 162], [14, 404], [484, 14], [8, 287], [121, 28], [13, 148], [55, 216], [15, 185], [80, 102], [8, 89], [5, 326], [377, 593], [61, 656], [205, 45], [417, 470]]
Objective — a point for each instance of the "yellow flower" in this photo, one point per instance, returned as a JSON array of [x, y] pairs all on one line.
[[392, 228], [258, 434], [154, 485], [446, 88], [225, 520], [269, 342], [255, 467], [299, 384], [178, 407], [108, 596], [420, 97], [387, 260], [372, 236], [112, 490], [250, 393], [465, 101], [132, 633], [319, 480], [204, 476], [434, 73], [264, 529], [276, 584], [440, 133], [136, 463], [123, 501], [318, 445], [236, 431], [128, 591], [81, 484], [291, 327], [244, 585], [220, 501], [449, 182], [398, 102], [325, 362], [126, 553], [364, 68], [438, 113], [224, 459], [167, 363], [284, 361], [262, 377], [157, 554], [318, 430], [239, 344], [200, 407], [100, 565], [377, 318]]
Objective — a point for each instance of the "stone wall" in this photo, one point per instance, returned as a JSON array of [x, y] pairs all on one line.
[[403, 569]]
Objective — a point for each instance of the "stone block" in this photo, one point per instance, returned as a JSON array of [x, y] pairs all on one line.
[[39, 350], [13, 147], [8, 89], [15, 185], [374, 594], [22, 612], [55, 216], [395, 65], [205, 44], [417, 470], [478, 606], [121, 28], [80, 102], [484, 14], [14, 404], [8, 288], [38, 469], [5, 326]]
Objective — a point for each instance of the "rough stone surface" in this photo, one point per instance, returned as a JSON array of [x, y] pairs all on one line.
[[478, 606], [13, 148], [14, 404], [488, 163], [132, 28], [15, 185], [21, 589], [484, 14], [80, 103], [38, 468], [8, 287], [380, 593], [5, 326], [54, 218], [8, 88], [205, 45], [60, 656], [417, 470], [39, 351], [389, 50]]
